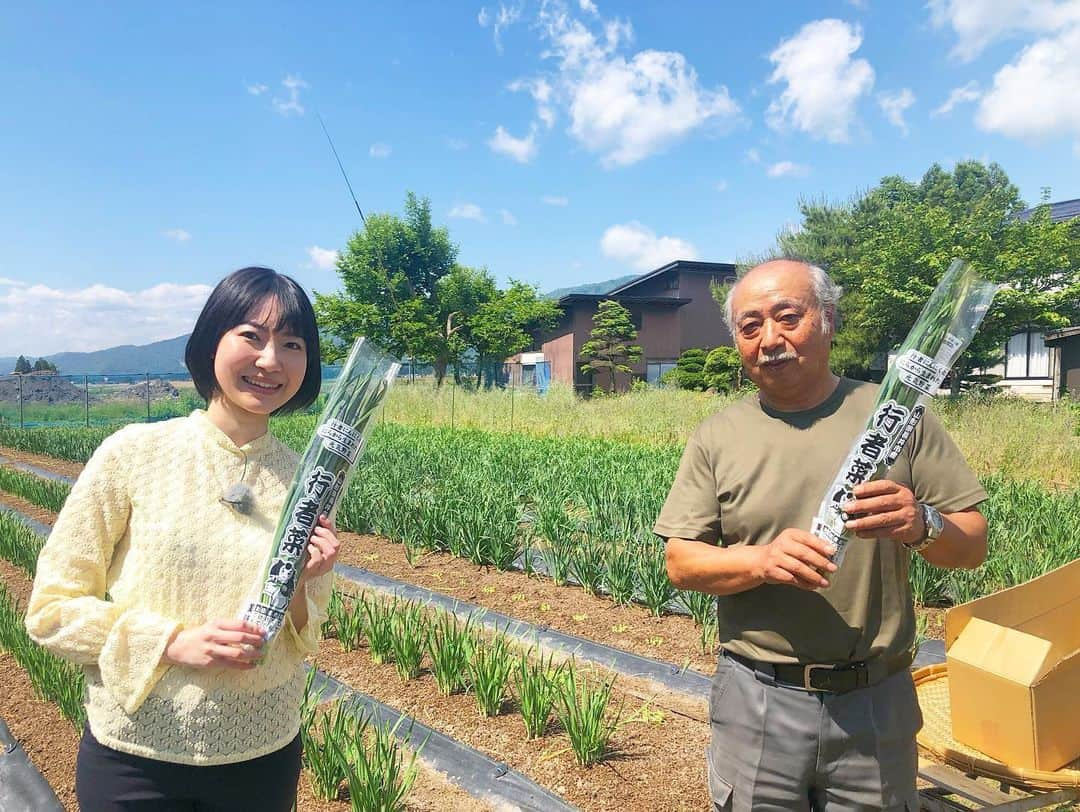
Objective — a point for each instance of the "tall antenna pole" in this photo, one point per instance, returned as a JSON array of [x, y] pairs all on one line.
[[342, 168]]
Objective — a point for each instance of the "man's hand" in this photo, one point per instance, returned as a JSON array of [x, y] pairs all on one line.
[[216, 644], [885, 509], [796, 558]]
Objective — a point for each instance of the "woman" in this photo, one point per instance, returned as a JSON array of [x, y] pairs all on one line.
[[154, 555]]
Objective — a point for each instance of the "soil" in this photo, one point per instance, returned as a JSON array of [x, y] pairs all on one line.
[[657, 754], [41, 388], [571, 610], [654, 762], [51, 464], [159, 390], [52, 742]]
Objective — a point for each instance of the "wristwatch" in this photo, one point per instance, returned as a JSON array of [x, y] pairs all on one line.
[[934, 526]]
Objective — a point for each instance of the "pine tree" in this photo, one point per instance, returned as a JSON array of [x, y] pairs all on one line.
[[22, 366], [609, 348]]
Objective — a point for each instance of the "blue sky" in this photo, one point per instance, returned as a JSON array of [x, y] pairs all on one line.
[[144, 152]]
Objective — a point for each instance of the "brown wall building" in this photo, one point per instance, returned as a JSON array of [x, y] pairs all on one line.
[[672, 308]]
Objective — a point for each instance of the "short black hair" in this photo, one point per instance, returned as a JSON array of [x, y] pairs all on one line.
[[231, 303]]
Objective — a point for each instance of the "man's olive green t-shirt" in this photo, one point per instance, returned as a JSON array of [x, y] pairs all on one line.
[[749, 472]]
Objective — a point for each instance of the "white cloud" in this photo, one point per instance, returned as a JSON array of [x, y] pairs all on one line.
[[640, 247], [380, 151], [893, 106], [256, 89], [502, 18], [783, 169], [1035, 96], [177, 234], [859, 4], [290, 105], [41, 320], [753, 156], [959, 95], [457, 144], [508, 218], [721, 186], [555, 200], [6, 282], [824, 83], [542, 92], [978, 23], [626, 108], [521, 150], [588, 6], [468, 211], [325, 259]]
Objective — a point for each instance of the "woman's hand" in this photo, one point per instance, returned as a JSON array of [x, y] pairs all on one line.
[[216, 644], [322, 550]]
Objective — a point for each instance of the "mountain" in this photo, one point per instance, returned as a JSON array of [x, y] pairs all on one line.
[[161, 356], [595, 287]]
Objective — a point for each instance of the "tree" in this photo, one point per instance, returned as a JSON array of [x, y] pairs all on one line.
[[461, 293], [41, 365], [391, 270], [609, 348], [508, 323], [723, 369], [22, 366], [689, 369], [889, 247]]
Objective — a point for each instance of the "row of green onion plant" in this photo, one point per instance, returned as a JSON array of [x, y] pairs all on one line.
[[346, 749], [496, 672], [45, 493], [418, 485], [19, 544], [53, 679]]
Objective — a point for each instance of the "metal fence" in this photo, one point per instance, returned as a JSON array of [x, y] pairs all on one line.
[[49, 399]]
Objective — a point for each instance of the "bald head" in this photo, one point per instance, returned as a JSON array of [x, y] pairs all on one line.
[[796, 277]]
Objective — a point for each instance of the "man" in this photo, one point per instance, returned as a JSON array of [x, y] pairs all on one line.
[[812, 704]]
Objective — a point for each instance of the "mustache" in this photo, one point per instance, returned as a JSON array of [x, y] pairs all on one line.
[[775, 358]]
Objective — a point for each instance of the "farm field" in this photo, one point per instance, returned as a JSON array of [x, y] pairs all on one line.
[[461, 512]]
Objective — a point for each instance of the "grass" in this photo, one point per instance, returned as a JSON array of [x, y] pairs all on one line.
[[583, 713], [485, 496], [490, 664], [101, 412], [19, 544], [45, 493], [536, 685], [449, 645], [53, 679]]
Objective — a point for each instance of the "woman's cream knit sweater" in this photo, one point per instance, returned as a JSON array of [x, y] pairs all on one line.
[[144, 546]]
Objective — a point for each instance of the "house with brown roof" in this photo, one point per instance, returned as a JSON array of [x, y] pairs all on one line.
[[1035, 362], [672, 308]]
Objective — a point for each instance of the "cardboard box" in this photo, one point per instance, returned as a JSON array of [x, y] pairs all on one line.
[[1014, 671]]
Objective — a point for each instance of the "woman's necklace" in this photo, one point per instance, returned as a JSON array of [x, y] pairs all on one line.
[[240, 496]]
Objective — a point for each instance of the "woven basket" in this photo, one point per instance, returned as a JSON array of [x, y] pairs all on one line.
[[932, 687]]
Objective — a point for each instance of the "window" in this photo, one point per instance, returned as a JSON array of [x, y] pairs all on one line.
[[655, 369], [673, 282], [1026, 356]]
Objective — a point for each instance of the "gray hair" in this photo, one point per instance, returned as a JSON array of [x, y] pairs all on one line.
[[826, 292]]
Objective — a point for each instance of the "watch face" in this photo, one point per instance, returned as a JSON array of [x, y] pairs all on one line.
[[934, 523]]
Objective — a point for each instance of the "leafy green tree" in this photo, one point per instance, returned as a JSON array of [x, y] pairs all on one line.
[[508, 323], [723, 369], [41, 365], [610, 347], [390, 271], [22, 366], [689, 369], [461, 293], [889, 247]]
